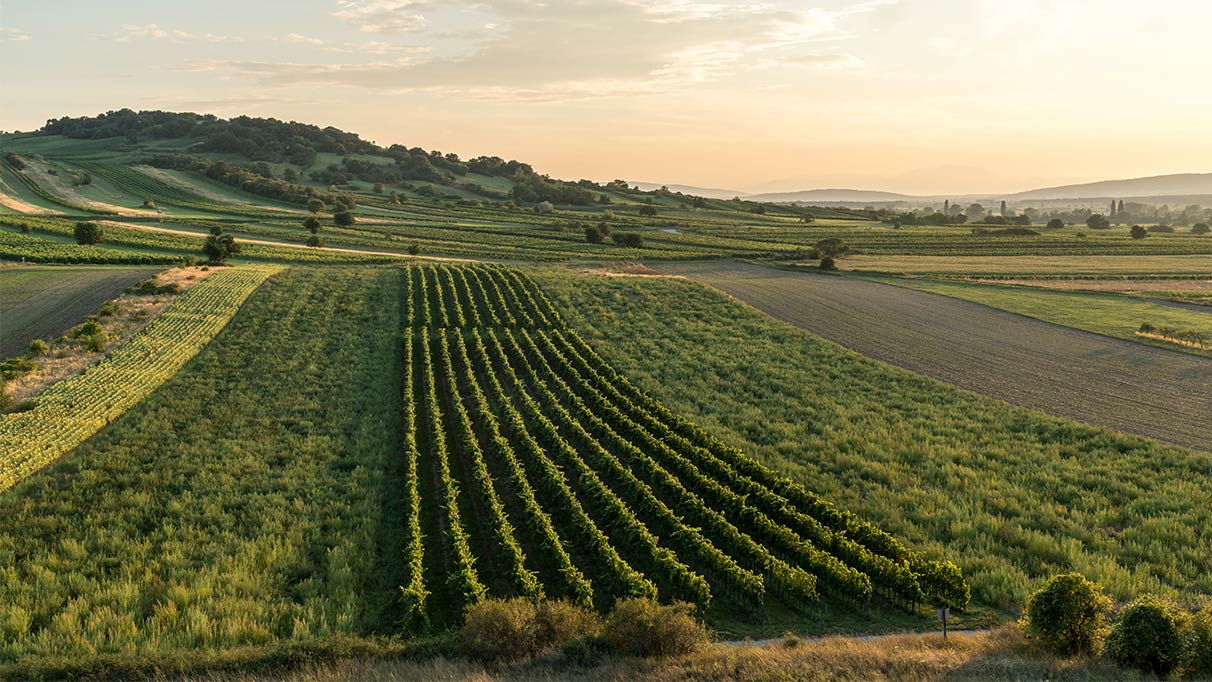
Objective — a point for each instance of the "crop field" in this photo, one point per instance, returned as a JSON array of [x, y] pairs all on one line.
[[41, 302], [1010, 495], [1109, 314], [77, 407], [549, 442], [1153, 392], [502, 457], [223, 510]]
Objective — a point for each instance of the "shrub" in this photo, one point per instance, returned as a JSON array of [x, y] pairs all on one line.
[[642, 627], [827, 263], [558, 623], [630, 239], [1067, 615], [499, 629], [594, 236], [544, 207], [1139, 232], [95, 343], [37, 348], [1198, 634], [1161, 229], [343, 218], [88, 234], [89, 328], [1055, 224], [1147, 637], [1200, 228], [512, 629]]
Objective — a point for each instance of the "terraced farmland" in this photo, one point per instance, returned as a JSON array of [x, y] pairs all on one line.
[[1153, 392], [520, 435]]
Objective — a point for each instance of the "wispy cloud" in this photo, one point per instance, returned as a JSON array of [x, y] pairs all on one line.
[[547, 50], [10, 34], [383, 16], [131, 32]]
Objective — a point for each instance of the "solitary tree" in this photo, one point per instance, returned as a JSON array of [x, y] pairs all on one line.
[[1200, 228], [1098, 221], [1067, 615], [593, 235], [315, 205], [88, 233], [343, 218], [314, 241], [220, 246], [831, 248], [1139, 232], [312, 225], [1056, 224]]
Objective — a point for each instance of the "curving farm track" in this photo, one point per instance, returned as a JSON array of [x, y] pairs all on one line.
[[1152, 392]]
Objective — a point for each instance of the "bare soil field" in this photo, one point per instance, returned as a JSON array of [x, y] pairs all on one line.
[[43, 301], [1151, 392]]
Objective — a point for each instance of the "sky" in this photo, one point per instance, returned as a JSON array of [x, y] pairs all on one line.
[[915, 96]]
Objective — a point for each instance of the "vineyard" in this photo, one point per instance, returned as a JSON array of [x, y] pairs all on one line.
[[77, 407], [520, 438]]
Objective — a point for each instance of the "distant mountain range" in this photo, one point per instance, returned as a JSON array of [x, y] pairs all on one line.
[[1178, 185], [1158, 185]]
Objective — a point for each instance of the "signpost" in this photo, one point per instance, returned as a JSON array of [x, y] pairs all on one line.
[[943, 613]]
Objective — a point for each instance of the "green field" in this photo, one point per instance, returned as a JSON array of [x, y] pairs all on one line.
[[41, 302], [1008, 494], [1092, 266]]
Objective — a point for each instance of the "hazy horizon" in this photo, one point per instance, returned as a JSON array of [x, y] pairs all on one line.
[[916, 97]]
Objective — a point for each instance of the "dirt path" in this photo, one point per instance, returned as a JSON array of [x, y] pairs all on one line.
[[1152, 392]]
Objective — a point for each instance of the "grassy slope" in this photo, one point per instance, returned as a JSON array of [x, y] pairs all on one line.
[[224, 511], [1008, 494], [39, 302], [1109, 314]]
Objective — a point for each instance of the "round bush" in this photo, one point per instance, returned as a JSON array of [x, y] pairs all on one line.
[[1147, 637], [1067, 615], [497, 629], [642, 627]]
